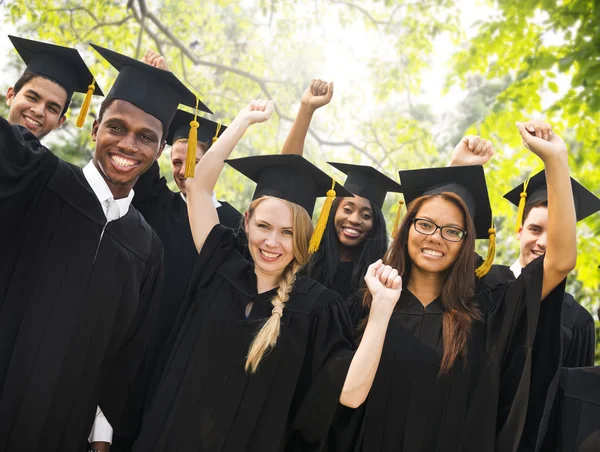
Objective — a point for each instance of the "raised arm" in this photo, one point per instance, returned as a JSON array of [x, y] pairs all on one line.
[[561, 249], [471, 150], [318, 94], [385, 286], [201, 211]]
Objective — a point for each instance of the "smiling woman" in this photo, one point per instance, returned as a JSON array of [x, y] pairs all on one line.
[[282, 340], [439, 385], [356, 234]]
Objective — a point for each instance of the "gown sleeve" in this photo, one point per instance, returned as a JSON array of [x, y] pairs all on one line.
[[120, 398], [518, 323], [328, 357], [579, 350], [20, 155]]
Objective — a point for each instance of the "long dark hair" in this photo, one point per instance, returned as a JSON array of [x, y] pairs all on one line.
[[325, 261], [459, 288]]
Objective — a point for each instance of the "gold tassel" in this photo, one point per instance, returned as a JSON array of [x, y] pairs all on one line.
[[190, 157], [216, 137], [521, 207], [86, 104], [317, 236], [397, 219], [489, 259]]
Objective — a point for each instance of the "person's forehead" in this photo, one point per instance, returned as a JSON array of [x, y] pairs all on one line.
[[179, 150], [357, 201], [274, 211], [441, 210], [537, 215]]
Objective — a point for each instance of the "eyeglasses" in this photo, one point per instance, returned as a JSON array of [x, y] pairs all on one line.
[[449, 233]]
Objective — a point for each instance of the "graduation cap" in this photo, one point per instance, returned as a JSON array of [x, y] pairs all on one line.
[[64, 65], [468, 182], [535, 189], [193, 128], [367, 182], [295, 179], [208, 131], [156, 91]]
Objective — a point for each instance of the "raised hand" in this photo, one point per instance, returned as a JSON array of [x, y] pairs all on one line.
[[471, 150], [318, 94], [385, 286], [539, 138], [257, 111], [155, 59]]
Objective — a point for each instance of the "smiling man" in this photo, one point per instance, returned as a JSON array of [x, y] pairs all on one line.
[[40, 98], [566, 334], [80, 269]]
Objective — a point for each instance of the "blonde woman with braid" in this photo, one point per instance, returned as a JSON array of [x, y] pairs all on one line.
[[262, 354]]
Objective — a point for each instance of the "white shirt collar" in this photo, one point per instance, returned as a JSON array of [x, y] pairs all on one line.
[[216, 203], [101, 190], [516, 268]]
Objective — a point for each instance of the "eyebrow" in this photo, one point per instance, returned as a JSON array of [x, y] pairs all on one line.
[[51, 103], [258, 220], [454, 225]]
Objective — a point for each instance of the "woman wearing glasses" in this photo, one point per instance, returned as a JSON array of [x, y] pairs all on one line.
[[437, 386]]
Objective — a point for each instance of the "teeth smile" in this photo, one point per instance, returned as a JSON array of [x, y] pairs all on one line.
[[32, 121], [121, 161], [432, 252], [538, 253], [351, 231], [269, 255]]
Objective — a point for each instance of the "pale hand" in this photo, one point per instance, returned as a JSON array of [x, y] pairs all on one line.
[[155, 59], [472, 150], [318, 94], [539, 138], [257, 111], [385, 286]]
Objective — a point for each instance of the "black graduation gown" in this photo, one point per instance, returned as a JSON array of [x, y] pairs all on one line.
[[410, 408], [577, 408], [574, 347], [167, 213], [207, 402], [78, 300], [342, 280], [578, 330]]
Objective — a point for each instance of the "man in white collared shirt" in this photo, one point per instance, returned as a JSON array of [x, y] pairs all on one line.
[[80, 270], [566, 333]]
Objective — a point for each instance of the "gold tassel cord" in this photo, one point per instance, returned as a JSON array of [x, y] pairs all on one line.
[[86, 104], [397, 219], [489, 259], [521, 208], [315, 240], [190, 157], [216, 137]]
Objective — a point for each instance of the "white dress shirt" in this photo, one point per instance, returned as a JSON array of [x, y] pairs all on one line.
[[516, 268], [216, 203], [101, 430]]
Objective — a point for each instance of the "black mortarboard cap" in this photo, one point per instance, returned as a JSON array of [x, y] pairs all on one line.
[[288, 176], [468, 182], [64, 65], [180, 128], [586, 203], [367, 182], [156, 91]]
